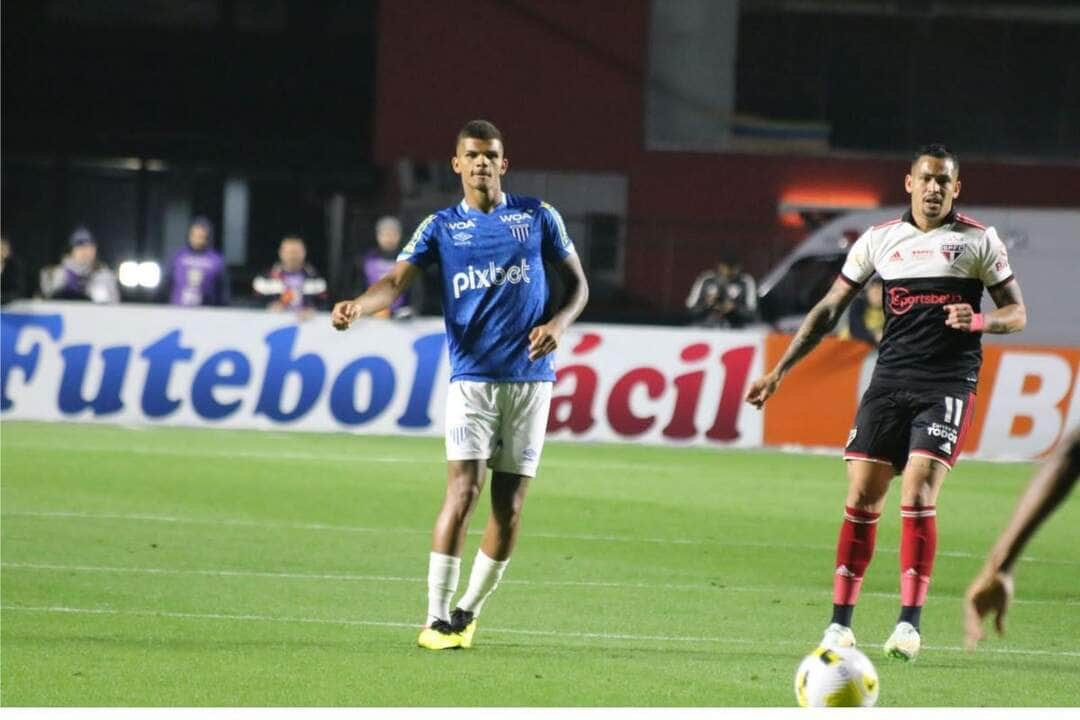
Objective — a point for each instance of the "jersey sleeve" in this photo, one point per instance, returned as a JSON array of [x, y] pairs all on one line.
[[555, 242], [422, 249], [993, 264], [859, 265]]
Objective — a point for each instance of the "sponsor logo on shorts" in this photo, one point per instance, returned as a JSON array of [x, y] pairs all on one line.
[[942, 431], [946, 448]]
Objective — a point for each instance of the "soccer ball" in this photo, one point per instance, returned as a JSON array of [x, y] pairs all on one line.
[[836, 677]]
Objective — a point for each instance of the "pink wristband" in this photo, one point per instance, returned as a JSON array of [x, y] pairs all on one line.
[[978, 322]]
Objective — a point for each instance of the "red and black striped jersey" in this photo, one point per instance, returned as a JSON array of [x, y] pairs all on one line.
[[922, 272]]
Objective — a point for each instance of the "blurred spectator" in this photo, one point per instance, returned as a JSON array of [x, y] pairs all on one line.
[[80, 275], [724, 296], [292, 284], [374, 264], [866, 316], [13, 284], [197, 274]]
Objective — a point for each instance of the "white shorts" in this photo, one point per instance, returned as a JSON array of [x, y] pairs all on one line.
[[503, 423]]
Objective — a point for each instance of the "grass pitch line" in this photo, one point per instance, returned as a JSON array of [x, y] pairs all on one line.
[[419, 580], [273, 455], [239, 522], [500, 631]]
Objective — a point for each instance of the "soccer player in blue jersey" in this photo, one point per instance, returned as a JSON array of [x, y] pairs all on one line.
[[490, 249]]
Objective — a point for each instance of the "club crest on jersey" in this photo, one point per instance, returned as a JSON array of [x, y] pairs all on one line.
[[953, 250], [520, 232]]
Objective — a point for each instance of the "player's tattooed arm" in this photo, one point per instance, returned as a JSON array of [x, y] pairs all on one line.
[[1011, 313], [378, 297], [1009, 317], [818, 323], [544, 339]]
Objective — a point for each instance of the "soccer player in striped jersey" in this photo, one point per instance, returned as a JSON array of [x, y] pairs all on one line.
[[490, 249], [935, 263]]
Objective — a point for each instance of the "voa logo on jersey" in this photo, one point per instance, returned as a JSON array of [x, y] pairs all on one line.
[[491, 276]]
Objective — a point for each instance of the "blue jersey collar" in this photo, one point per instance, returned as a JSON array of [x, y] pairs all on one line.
[[466, 209]]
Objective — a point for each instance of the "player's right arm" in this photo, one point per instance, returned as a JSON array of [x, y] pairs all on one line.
[[421, 251], [818, 323], [376, 298]]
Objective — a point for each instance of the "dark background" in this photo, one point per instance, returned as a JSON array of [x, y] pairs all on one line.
[[116, 114]]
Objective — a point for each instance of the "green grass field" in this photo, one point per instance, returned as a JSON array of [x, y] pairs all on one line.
[[195, 567]]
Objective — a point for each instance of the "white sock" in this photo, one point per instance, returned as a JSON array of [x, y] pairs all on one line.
[[442, 582], [483, 580]]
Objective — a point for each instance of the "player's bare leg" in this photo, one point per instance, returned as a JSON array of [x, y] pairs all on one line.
[[464, 481], [508, 492], [922, 481], [507, 500], [868, 483]]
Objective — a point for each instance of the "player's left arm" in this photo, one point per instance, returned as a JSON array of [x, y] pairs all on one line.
[[992, 268], [1009, 317], [544, 339]]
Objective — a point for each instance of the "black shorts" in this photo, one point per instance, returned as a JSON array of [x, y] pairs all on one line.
[[894, 422]]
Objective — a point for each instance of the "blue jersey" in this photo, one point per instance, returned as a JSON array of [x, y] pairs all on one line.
[[494, 289]]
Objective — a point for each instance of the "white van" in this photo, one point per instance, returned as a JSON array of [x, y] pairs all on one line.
[[1044, 251]]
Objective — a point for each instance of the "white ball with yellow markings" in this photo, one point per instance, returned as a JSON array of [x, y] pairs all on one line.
[[836, 677]]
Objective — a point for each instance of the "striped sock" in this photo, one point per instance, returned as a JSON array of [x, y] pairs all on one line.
[[854, 549], [918, 546]]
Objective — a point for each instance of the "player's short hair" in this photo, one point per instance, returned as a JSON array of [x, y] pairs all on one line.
[[479, 130], [293, 237], [936, 150]]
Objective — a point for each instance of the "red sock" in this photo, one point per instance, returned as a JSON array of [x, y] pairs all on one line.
[[918, 544], [853, 552]]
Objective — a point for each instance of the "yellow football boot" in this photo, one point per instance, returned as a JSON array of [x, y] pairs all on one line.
[[463, 623], [439, 636]]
